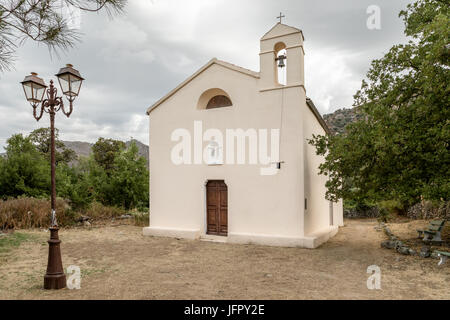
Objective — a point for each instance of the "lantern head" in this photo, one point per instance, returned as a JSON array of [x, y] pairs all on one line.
[[70, 81], [34, 88]]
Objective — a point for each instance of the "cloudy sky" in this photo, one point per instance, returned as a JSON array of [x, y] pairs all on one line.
[[130, 61]]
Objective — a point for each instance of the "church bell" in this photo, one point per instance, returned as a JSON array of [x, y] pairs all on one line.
[[280, 60]]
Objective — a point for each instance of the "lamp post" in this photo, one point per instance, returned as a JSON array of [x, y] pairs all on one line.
[[34, 87]]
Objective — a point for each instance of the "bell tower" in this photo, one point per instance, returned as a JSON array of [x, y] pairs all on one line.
[[281, 37]]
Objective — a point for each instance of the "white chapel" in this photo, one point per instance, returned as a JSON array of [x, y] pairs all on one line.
[[229, 156]]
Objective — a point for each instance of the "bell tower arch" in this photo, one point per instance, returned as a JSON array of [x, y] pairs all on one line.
[[289, 41]]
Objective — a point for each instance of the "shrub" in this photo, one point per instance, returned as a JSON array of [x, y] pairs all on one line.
[[24, 213], [383, 215], [393, 207], [141, 218], [98, 211]]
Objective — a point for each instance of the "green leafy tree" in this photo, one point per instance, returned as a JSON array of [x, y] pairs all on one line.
[[75, 183], [98, 182], [41, 139], [43, 21], [105, 152], [24, 171], [2, 176], [130, 180], [399, 150]]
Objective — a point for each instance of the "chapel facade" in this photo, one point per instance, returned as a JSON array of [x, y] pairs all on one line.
[[229, 156]]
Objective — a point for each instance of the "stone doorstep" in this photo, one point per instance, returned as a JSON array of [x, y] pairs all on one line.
[[213, 238]]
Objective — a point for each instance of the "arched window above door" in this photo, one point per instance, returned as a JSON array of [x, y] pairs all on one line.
[[213, 99], [219, 101]]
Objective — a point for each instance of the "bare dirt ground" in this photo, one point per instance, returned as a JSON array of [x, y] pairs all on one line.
[[117, 262]]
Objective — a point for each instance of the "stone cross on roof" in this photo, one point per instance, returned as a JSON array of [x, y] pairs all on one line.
[[281, 16]]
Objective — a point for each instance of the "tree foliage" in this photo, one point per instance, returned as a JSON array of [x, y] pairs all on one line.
[[399, 150], [43, 21], [130, 181], [105, 152], [25, 171], [41, 139]]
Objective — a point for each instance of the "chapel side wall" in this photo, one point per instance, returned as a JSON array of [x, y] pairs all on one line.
[[178, 193], [317, 214], [338, 213]]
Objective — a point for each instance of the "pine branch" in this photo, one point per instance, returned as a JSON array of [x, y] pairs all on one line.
[[42, 21]]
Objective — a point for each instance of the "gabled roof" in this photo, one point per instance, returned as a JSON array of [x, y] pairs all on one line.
[[199, 71], [280, 29], [319, 118]]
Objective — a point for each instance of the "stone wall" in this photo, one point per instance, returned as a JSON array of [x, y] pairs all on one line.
[[427, 210], [354, 213]]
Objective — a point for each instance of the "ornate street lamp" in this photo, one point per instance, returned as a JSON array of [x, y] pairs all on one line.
[[34, 87]]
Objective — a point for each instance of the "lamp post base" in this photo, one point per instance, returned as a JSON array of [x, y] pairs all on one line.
[[54, 282], [55, 277]]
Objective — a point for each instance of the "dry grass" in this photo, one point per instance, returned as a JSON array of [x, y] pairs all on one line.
[[98, 211], [13, 240], [141, 219], [24, 213], [29, 213]]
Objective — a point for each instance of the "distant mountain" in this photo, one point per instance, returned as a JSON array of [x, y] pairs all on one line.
[[337, 120], [81, 148], [85, 148]]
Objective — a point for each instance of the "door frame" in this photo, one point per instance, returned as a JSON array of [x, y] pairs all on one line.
[[205, 208]]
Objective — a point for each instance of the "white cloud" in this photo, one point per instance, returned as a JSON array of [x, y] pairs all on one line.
[[329, 79], [123, 41]]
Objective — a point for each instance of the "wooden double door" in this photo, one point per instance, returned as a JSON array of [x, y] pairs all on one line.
[[217, 208]]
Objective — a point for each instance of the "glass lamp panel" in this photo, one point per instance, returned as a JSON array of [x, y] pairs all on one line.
[[76, 85], [64, 82], [40, 93], [37, 91], [28, 91]]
